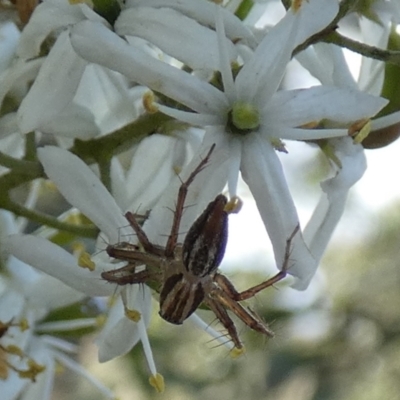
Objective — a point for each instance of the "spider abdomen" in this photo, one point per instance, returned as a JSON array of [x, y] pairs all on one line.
[[179, 298]]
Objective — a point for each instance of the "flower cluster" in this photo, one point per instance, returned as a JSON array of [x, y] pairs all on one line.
[[130, 98]]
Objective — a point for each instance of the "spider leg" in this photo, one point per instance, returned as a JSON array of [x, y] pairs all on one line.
[[228, 288], [225, 320], [142, 237], [183, 189], [248, 317], [128, 275]]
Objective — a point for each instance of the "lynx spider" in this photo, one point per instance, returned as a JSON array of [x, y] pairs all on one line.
[[186, 275]]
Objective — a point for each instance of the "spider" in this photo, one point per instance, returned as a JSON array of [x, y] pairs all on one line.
[[186, 275]]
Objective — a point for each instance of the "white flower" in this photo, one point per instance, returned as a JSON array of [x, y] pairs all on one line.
[[29, 354], [247, 118]]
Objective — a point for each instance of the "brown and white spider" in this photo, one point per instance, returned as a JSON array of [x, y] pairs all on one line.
[[186, 275]]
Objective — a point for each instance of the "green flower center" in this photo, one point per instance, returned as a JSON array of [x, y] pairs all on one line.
[[243, 118]]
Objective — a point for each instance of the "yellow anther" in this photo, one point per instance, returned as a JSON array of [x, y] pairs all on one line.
[[33, 371], [78, 247], [85, 261], [234, 205], [296, 5], [278, 145], [133, 315], [74, 218], [237, 352], [101, 320], [4, 368], [157, 381], [148, 102], [15, 350], [310, 125], [23, 325]]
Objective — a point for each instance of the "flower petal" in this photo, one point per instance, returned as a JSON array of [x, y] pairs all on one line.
[[177, 35], [40, 105], [47, 17], [262, 74], [56, 262], [331, 205], [340, 105], [81, 187], [204, 12], [95, 43], [262, 171]]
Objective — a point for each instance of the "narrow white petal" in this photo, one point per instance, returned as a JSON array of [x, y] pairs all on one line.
[[204, 12], [340, 105], [106, 393], [225, 60], [326, 62], [177, 35], [119, 334], [48, 16], [56, 295], [74, 121], [262, 171], [97, 44], [81, 187], [331, 205], [264, 72], [385, 121], [40, 105], [283, 132], [56, 262], [194, 118]]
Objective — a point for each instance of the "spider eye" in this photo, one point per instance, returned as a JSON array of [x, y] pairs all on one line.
[[205, 243]]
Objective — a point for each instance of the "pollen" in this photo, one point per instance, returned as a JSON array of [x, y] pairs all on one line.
[[85, 261], [296, 4], [148, 102], [133, 315], [23, 325], [34, 369], [236, 352], [234, 205], [157, 381]]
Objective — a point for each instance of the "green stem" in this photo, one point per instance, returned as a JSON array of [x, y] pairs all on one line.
[[22, 166], [30, 146], [44, 219]]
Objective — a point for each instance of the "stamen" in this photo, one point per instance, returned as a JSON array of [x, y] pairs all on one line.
[[236, 352], [157, 381], [148, 102], [85, 261], [234, 205], [133, 315]]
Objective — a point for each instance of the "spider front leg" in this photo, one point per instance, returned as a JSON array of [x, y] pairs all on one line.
[[227, 286], [142, 237], [180, 203], [127, 275]]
